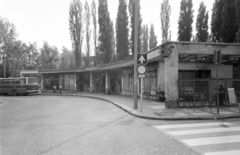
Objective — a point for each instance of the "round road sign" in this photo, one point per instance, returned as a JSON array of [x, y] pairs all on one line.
[[141, 69]]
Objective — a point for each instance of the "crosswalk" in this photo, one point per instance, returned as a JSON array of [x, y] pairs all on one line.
[[211, 138]]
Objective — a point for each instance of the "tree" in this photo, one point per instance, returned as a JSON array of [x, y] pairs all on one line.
[[122, 31], [94, 18], [76, 29], [216, 21], [165, 20], [88, 32], [49, 57], [185, 21], [104, 33], [132, 18], [145, 38], [112, 41], [153, 38], [66, 59], [229, 27], [237, 6], [202, 24]]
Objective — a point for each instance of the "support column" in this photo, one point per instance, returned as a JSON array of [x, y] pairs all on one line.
[[75, 82], [41, 85], [107, 82], [171, 79], [91, 83], [161, 77], [122, 84]]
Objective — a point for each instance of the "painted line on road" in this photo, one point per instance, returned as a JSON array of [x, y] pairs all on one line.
[[212, 140], [192, 125], [235, 152], [213, 130]]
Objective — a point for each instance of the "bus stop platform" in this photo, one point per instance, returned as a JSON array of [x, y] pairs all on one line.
[[153, 110]]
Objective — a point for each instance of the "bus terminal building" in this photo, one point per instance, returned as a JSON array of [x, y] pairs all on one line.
[[183, 73]]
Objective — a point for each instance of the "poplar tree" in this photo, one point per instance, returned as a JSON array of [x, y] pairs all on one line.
[[76, 29], [145, 38], [132, 18], [94, 19], [122, 31], [229, 27], [88, 32], [237, 6], [185, 21], [153, 38], [165, 20], [104, 37], [216, 21], [202, 24]]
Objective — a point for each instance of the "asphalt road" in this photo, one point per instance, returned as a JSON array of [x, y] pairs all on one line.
[[39, 125]]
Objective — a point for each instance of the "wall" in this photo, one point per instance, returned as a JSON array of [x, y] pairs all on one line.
[[224, 71]]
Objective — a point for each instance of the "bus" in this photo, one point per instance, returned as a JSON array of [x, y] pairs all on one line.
[[20, 85]]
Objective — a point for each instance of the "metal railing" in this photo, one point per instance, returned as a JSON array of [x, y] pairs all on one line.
[[203, 92]]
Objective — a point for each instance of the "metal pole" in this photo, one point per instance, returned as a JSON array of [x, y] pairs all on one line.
[[141, 92], [135, 54], [217, 91]]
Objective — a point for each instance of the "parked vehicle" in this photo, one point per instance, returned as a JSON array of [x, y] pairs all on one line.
[[20, 85]]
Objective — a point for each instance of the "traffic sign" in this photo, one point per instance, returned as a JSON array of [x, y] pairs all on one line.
[[142, 59], [141, 69]]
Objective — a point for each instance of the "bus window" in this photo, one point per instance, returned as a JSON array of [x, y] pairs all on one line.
[[32, 80], [23, 81], [15, 82]]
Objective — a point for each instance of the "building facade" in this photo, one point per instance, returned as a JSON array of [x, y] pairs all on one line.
[[183, 72]]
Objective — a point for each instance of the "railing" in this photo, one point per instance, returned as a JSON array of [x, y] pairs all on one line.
[[203, 92]]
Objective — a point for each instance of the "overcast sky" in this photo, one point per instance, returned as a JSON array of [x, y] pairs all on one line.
[[47, 20]]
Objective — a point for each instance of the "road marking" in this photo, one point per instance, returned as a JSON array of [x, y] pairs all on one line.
[[192, 125], [213, 130], [212, 140], [235, 152]]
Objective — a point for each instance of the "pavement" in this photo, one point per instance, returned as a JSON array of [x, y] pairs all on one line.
[[153, 110]]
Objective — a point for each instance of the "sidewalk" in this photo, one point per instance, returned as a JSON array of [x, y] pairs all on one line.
[[156, 110]]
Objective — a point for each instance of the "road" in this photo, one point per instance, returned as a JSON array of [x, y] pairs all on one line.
[[51, 125]]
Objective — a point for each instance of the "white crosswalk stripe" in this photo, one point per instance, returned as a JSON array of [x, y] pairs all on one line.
[[199, 135]]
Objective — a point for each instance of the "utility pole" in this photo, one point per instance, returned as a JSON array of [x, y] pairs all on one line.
[[135, 54]]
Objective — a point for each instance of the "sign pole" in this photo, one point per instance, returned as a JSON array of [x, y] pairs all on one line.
[[141, 92], [217, 91], [135, 55]]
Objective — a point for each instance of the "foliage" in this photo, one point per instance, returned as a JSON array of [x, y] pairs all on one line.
[[145, 38], [14, 54], [104, 37], [131, 8], [88, 31], [185, 21], [225, 25], [66, 59], [165, 20], [237, 6], [49, 57], [76, 29], [152, 38], [122, 31], [202, 24], [94, 18], [229, 27]]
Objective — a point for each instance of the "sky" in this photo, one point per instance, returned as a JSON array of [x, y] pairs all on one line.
[[47, 20]]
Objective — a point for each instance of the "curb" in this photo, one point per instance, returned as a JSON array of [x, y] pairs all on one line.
[[132, 113]]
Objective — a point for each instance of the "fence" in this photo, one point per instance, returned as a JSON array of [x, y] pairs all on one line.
[[203, 92]]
